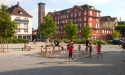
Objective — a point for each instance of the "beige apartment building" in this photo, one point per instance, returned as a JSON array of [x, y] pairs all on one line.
[[108, 22]]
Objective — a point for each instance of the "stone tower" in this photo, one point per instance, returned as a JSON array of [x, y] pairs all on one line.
[[41, 16], [41, 12]]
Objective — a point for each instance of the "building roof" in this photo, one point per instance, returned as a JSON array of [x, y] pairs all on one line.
[[17, 10], [107, 18], [83, 7]]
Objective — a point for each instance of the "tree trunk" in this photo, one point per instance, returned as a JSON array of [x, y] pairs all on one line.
[[3, 45], [7, 44]]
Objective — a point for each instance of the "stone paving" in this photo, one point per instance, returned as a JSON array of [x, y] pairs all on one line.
[[18, 62]]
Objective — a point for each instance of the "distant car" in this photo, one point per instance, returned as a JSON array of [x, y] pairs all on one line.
[[117, 40]]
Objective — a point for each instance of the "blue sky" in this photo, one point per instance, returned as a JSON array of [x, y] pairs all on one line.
[[113, 8]]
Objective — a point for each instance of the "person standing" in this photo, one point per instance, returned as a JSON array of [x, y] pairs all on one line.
[[34, 41], [123, 46], [87, 42], [62, 44], [90, 50], [99, 50], [79, 49], [70, 50], [53, 48]]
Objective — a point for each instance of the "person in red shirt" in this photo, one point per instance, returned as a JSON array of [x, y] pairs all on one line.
[[70, 50]]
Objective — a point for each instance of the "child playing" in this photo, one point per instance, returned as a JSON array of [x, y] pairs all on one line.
[[90, 49], [79, 49], [99, 50]]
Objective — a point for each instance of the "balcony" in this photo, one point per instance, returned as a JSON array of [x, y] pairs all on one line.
[[22, 27], [22, 21]]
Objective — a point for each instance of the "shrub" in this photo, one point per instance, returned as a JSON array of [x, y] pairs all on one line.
[[101, 42], [109, 41], [66, 40], [16, 40]]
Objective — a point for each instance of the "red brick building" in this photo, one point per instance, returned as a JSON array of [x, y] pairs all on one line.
[[80, 15]]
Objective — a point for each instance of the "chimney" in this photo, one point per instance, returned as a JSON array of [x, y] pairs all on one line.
[[54, 10], [18, 3]]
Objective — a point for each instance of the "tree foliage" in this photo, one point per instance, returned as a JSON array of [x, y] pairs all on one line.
[[116, 34], [121, 29], [71, 30], [48, 29], [87, 32], [7, 27]]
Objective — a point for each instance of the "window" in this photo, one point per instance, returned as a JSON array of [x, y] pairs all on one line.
[[90, 24], [61, 16], [71, 15], [90, 18], [80, 25], [79, 30], [102, 31], [61, 27], [84, 24], [26, 30], [20, 12], [97, 20], [90, 13], [18, 30], [75, 14], [58, 17], [79, 14], [26, 25], [84, 18], [58, 22], [85, 12], [97, 25], [105, 31], [67, 16], [19, 25], [97, 14]]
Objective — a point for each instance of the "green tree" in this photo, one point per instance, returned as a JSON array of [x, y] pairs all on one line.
[[87, 32], [7, 27], [71, 30], [121, 29], [48, 29], [116, 34]]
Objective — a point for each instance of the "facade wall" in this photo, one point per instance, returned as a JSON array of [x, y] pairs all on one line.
[[81, 18], [24, 29]]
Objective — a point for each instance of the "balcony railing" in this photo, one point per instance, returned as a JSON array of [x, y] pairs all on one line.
[[93, 16], [22, 20]]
